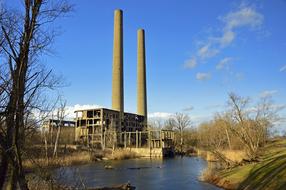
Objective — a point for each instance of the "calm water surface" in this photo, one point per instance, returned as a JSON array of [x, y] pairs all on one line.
[[175, 173]]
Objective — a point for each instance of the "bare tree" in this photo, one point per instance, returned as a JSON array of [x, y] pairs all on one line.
[[169, 124], [251, 124], [156, 123], [181, 121], [60, 121], [213, 139], [25, 35], [224, 129]]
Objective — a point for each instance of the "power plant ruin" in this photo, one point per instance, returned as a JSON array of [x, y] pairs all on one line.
[[113, 128]]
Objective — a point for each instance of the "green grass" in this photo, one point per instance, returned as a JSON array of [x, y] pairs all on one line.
[[269, 173]]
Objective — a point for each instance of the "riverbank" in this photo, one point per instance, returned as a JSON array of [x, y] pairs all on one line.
[[268, 173], [77, 157], [40, 170]]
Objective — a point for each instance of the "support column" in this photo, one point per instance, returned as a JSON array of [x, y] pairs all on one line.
[[136, 139], [125, 139]]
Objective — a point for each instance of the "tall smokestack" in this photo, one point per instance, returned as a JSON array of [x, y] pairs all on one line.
[[117, 70], [141, 75]]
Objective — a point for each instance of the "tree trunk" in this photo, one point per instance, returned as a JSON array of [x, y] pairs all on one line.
[[46, 147], [12, 179], [228, 139], [181, 143], [57, 141], [3, 169]]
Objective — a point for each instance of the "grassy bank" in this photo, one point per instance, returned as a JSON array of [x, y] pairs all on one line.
[[76, 157], [67, 160], [268, 173]]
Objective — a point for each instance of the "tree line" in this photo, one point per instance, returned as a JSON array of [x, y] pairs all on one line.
[[243, 125]]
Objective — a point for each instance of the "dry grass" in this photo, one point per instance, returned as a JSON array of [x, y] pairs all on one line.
[[235, 155], [202, 153], [122, 154], [211, 157], [209, 174], [76, 158], [207, 155], [71, 159]]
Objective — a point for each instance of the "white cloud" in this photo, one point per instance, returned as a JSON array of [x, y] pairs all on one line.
[[206, 51], [243, 17], [226, 38], [190, 108], [203, 76], [267, 93], [195, 119], [68, 112], [283, 69], [71, 109], [161, 115], [223, 63], [190, 63]]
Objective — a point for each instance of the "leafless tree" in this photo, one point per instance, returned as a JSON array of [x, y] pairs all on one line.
[[181, 121], [156, 123], [213, 139], [60, 121], [25, 35], [249, 123], [169, 124]]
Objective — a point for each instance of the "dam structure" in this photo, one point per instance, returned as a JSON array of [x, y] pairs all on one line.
[[114, 128]]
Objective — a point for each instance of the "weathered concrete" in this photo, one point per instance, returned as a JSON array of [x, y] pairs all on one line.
[[141, 75], [153, 152], [147, 152], [117, 70]]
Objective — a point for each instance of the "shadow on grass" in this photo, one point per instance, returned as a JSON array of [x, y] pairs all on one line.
[[270, 172]]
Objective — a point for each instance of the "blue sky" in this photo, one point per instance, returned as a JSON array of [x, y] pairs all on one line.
[[197, 52]]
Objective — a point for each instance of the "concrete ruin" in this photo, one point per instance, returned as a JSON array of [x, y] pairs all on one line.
[[110, 128], [67, 130]]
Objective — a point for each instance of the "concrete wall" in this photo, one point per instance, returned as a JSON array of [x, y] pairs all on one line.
[[147, 152]]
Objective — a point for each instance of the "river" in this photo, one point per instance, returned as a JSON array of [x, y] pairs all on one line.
[[175, 173]]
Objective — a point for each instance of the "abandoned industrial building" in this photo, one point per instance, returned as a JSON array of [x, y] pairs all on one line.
[[104, 127], [67, 128], [96, 126], [113, 128]]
